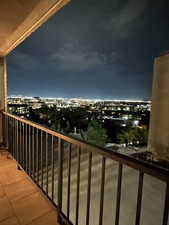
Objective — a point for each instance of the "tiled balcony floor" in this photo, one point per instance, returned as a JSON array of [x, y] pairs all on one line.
[[21, 201]]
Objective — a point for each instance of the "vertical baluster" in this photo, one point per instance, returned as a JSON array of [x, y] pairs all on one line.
[[41, 158], [7, 137], [3, 124], [15, 138], [33, 152], [13, 143], [29, 150], [14, 134], [11, 136], [17, 148], [19, 134], [102, 191], [37, 155], [26, 147], [166, 205], [8, 134], [60, 177], [118, 194], [23, 144], [78, 186], [8, 129], [53, 178], [47, 179], [89, 188], [5, 131], [139, 198], [69, 180], [19, 145]]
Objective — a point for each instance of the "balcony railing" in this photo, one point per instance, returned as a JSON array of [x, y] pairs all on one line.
[[64, 167]]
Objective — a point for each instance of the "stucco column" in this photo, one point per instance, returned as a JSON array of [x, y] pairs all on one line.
[[159, 120], [3, 93]]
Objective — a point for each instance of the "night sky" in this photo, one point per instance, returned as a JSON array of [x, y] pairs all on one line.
[[93, 49]]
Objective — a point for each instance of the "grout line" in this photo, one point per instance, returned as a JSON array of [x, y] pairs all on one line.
[[27, 195], [6, 219], [37, 190], [13, 211], [41, 216]]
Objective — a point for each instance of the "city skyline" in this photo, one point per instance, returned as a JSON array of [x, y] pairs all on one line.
[[79, 98], [107, 53]]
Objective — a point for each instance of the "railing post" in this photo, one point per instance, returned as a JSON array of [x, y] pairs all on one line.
[[4, 138], [17, 143], [139, 197], [6, 131], [60, 178], [166, 205], [119, 187]]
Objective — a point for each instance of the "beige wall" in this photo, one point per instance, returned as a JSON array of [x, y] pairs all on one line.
[[159, 121], [3, 92]]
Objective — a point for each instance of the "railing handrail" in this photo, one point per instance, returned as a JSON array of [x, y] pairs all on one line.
[[145, 167]]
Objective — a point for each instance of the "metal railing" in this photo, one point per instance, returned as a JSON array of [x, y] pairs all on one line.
[[45, 155]]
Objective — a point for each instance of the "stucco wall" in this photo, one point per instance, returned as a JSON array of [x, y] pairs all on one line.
[[159, 121]]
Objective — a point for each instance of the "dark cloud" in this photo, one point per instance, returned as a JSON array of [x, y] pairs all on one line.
[[93, 49], [73, 57]]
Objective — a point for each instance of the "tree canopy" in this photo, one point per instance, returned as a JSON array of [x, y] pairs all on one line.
[[96, 134], [134, 136]]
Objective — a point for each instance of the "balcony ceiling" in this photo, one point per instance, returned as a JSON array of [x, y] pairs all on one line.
[[19, 18]]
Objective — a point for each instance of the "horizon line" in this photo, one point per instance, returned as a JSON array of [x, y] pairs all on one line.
[[81, 98]]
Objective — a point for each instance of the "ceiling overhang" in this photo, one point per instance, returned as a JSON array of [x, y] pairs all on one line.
[[19, 18]]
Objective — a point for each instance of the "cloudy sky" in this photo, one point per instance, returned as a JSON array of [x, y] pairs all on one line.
[[93, 49]]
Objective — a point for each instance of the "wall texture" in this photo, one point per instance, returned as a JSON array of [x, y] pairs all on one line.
[[159, 121]]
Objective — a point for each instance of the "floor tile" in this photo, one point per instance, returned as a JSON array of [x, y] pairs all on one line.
[[20, 189], [29, 208], [4, 155], [7, 164], [6, 171], [2, 193], [12, 175], [49, 218], [2, 177], [21, 201], [6, 160], [5, 209], [10, 221]]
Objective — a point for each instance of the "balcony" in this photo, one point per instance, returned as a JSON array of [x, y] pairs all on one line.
[[84, 183], [48, 178]]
